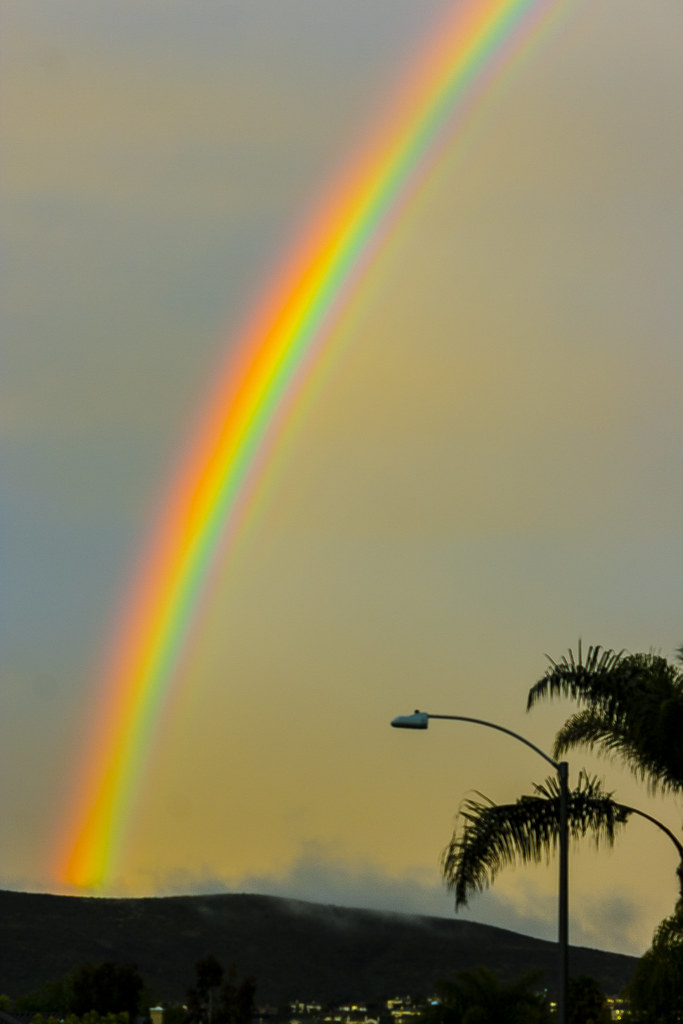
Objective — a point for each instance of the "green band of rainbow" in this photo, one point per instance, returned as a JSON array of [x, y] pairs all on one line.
[[471, 46]]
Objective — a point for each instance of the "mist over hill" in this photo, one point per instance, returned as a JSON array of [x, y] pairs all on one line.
[[292, 948]]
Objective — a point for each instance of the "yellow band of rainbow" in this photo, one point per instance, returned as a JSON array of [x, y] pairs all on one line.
[[471, 46]]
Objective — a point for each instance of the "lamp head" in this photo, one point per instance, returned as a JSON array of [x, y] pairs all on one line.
[[419, 720]]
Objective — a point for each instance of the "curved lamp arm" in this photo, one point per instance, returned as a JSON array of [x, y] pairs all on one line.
[[420, 720], [667, 831]]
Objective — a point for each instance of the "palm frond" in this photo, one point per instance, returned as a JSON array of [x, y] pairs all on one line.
[[490, 836], [582, 679], [632, 708], [584, 728]]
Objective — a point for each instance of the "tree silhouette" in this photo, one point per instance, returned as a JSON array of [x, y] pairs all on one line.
[[209, 1001], [237, 1000], [200, 999], [631, 708], [491, 836], [107, 988], [479, 997], [656, 990], [587, 1003]]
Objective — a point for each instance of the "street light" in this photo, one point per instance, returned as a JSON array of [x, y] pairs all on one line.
[[420, 720]]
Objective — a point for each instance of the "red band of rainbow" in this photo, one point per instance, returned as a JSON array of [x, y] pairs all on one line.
[[276, 354]]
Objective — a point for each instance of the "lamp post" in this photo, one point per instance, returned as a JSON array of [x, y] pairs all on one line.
[[420, 720]]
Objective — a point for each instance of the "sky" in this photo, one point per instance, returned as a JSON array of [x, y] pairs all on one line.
[[488, 469]]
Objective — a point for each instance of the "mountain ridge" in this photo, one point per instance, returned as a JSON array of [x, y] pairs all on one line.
[[294, 949]]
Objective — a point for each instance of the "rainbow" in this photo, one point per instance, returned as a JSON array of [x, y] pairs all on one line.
[[277, 353]]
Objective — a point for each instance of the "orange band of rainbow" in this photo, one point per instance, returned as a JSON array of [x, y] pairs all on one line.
[[477, 39]]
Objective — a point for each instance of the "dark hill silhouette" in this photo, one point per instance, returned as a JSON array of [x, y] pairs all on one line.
[[292, 948]]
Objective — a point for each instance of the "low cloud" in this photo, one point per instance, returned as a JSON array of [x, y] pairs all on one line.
[[318, 876], [614, 916]]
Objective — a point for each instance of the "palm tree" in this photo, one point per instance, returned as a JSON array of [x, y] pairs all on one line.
[[489, 836], [632, 708]]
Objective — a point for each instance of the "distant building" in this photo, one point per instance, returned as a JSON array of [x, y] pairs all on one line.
[[402, 1008], [619, 1009]]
